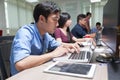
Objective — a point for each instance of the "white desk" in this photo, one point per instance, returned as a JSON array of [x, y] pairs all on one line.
[[37, 73]]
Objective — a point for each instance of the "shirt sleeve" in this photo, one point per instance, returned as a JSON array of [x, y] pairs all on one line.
[[93, 30], [52, 43], [57, 33], [21, 46]]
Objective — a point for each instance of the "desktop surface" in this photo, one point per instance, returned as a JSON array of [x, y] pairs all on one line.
[[37, 73], [72, 69], [114, 71]]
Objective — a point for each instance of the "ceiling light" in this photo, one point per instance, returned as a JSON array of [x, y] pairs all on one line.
[[31, 1], [93, 1]]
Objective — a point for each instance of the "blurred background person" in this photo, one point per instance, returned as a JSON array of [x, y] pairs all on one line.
[[62, 33], [97, 28], [88, 16], [79, 30]]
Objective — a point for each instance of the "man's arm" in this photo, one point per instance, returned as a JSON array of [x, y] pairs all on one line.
[[92, 35], [36, 60]]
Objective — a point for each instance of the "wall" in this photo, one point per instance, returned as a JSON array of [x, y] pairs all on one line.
[[75, 7], [19, 12], [2, 17]]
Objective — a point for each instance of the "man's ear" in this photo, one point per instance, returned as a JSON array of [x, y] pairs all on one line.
[[42, 18], [79, 21]]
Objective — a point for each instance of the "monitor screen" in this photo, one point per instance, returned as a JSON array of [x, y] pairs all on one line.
[[111, 21], [110, 38]]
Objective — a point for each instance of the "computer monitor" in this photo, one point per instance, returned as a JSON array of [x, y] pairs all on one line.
[[111, 23]]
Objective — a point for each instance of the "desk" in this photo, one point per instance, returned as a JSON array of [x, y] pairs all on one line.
[[37, 73], [114, 71]]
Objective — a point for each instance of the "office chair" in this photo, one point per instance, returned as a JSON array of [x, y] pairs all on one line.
[[5, 49], [2, 68]]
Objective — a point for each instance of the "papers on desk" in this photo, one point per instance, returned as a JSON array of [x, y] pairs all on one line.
[[87, 42], [103, 49], [99, 49]]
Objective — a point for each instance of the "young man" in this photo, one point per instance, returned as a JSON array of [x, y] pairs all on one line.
[[79, 30], [33, 41]]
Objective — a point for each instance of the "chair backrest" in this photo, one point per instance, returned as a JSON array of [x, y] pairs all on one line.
[[5, 48], [5, 38], [2, 68]]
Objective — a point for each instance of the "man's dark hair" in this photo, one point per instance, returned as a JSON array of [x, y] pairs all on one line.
[[98, 23], [88, 13], [64, 16], [45, 8], [80, 17]]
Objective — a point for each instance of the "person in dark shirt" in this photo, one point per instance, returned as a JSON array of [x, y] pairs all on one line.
[[79, 30]]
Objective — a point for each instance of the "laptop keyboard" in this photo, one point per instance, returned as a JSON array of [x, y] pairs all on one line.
[[82, 55]]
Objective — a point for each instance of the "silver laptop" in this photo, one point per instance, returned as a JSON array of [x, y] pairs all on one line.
[[72, 69], [85, 55]]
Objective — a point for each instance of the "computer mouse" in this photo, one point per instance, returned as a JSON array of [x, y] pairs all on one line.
[[81, 45]]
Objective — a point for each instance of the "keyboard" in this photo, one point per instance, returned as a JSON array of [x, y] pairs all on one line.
[[82, 55]]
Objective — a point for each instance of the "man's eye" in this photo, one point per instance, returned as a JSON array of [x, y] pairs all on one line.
[[55, 19]]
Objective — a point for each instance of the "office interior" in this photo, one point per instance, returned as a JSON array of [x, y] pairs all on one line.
[[16, 13]]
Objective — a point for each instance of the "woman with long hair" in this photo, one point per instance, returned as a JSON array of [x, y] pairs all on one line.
[[62, 32]]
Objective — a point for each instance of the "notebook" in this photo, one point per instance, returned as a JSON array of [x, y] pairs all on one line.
[[72, 69]]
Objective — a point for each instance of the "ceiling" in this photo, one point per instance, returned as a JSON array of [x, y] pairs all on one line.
[[57, 1]]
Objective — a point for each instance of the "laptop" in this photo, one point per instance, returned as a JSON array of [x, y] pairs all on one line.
[[85, 55], [72, 69]]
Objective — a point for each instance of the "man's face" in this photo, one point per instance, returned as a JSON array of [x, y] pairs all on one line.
[[89, 16], [99, 27], [51, 23], [83, 21]]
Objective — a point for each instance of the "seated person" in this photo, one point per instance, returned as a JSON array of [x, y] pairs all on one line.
[[79, 30], [96, 28], [32, 42], [62, 33], [98, 32]]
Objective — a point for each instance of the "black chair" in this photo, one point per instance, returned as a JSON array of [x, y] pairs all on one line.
[[2, 68], [5, 49], [6, 38]]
